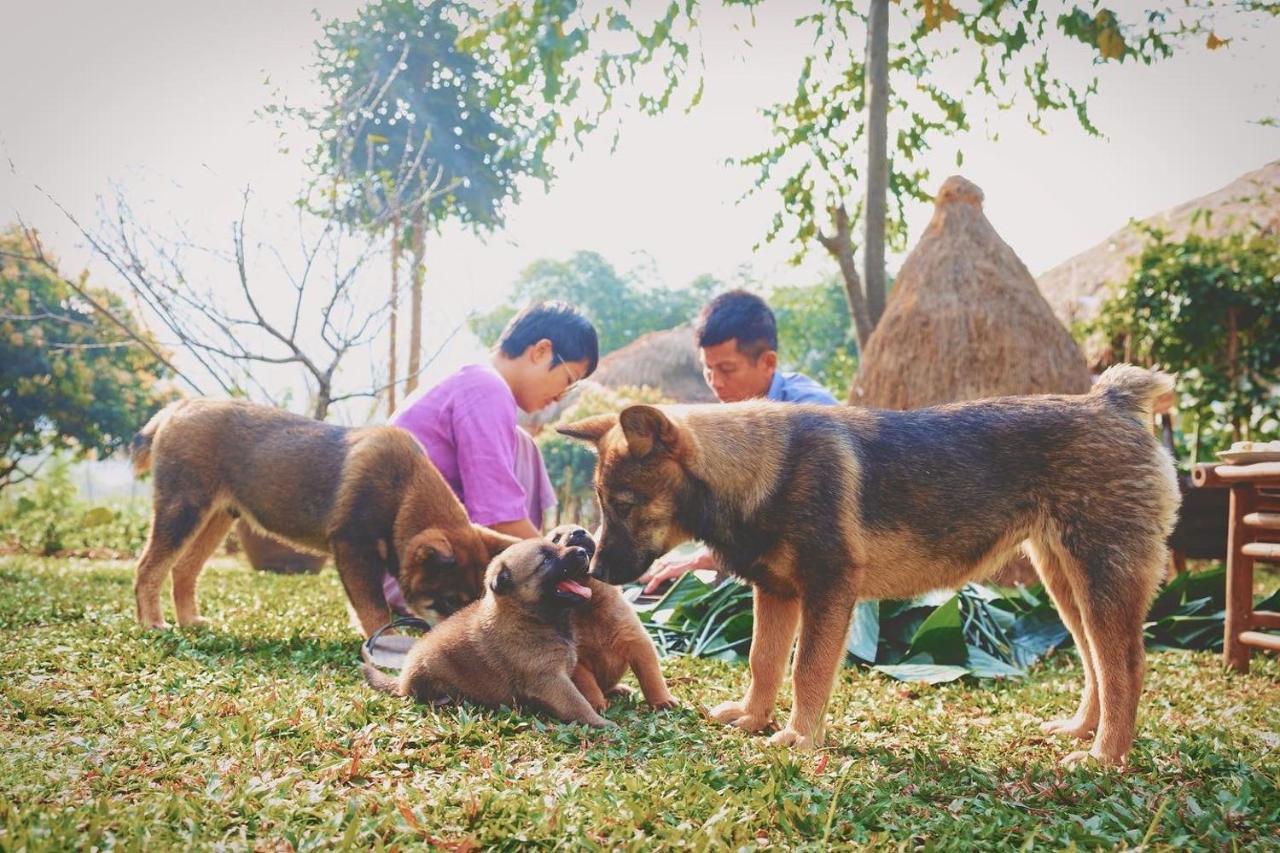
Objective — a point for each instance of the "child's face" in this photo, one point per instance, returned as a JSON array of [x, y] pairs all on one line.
[[546, 377]]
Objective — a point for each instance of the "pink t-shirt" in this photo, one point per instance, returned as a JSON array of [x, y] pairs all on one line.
[[467, 424]]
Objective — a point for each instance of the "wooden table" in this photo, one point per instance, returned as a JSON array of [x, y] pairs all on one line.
[[1253, 534]]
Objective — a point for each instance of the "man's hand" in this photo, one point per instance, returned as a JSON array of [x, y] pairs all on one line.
[[669, 568]]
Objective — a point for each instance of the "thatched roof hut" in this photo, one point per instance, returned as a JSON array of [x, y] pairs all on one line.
[[965, 320], [666, 361], [1076, 287]]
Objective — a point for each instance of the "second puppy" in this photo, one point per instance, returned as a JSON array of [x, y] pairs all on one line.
[[513, 646], [610, 638]]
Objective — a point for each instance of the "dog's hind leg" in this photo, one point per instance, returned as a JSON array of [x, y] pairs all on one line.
[[772, 635], [173, 524], [1113, 589], [824, 628], [187, 567], [1049, 565]]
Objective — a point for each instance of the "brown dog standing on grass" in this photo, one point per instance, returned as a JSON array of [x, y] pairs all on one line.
[[820, 506], [610, 639], [368, 496], [514, 645]]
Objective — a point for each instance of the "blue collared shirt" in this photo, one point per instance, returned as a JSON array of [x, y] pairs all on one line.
[[798, 388]]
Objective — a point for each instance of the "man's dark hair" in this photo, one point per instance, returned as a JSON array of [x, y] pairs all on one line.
[[572, 336], [739, 315]]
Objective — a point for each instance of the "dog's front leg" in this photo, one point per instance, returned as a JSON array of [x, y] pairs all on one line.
[[361, 574], [559, 696], [772, 634], [644, 663], [824, 627]]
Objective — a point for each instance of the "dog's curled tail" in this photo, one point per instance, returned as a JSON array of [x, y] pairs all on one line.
[[379, 680], [140, 447], [1134, 390]]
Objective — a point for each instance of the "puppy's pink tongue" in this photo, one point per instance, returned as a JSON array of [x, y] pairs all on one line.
[[574, 588]]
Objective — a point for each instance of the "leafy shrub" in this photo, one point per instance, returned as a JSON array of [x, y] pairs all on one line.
[[49, 518], [1208, 310]]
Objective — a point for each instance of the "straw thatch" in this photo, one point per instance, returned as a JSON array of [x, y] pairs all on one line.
[[1076, 287], [965, 320], [666, 361]]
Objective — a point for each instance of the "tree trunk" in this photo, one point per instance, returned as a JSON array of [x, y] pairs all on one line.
[[419, 239], [877, 157], [840, 246], [395, 308]]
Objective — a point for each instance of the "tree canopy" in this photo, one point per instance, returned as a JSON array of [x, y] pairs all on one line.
[[622, 306], [1207, 309], [69, 378]]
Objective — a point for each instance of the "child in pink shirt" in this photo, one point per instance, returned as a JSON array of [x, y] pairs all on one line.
[[468, 422]]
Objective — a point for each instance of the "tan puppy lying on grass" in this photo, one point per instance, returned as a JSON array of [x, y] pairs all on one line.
[[513, 646]]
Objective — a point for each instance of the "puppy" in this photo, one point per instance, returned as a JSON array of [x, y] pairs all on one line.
[[369, 496], [610, 639], [514, 645], [819, 506]]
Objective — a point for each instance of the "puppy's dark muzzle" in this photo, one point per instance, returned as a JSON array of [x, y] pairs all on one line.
[[580, 538], [571, 570]]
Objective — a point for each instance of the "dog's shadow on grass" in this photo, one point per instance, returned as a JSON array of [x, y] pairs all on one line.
[[288, 655]]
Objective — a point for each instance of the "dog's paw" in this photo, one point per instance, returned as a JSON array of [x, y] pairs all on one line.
[[792, 739], [664, 703], [1093, 758], [1069, 727], [735, 714], [619, 691], [155, 625], [599, 707], [196, 623]]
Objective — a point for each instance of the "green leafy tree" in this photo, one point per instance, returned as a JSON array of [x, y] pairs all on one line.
[[620, 305], [834, 162], [1207, 309], [418, 131], [814, 333], [70, 379]]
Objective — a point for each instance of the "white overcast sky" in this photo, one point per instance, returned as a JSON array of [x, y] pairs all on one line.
[[159, 98]]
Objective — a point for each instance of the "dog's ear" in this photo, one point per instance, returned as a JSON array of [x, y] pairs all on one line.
[[502, 582], [428, 548], [590, 429], [494, 542], [648, 429]]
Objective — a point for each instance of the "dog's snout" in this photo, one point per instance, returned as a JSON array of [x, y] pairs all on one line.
[[576, 558]]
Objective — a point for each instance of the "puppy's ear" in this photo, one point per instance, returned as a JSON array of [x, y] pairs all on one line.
[[591, 429], [502, 582], [648, 429], [432, 551], [494, 542]]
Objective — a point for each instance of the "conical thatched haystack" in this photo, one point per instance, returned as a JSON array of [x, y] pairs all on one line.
[[965, 320]]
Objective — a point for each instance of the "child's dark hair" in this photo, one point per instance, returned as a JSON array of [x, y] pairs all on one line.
[[572, 336], [738, 315]]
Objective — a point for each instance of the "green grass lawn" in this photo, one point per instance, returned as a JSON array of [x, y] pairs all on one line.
[[261, 733]]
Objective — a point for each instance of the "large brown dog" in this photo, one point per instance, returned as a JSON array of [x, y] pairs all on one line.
[[369, 496], [820, 506], [610, 638], [514, 645]]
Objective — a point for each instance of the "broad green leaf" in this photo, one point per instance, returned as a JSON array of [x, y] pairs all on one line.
[[941, 635], [928, 673], [864, 631]]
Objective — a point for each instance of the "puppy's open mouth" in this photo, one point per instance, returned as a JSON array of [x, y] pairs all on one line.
[[573, 590]]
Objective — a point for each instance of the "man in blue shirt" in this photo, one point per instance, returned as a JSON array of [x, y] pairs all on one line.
[[737, 337]]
